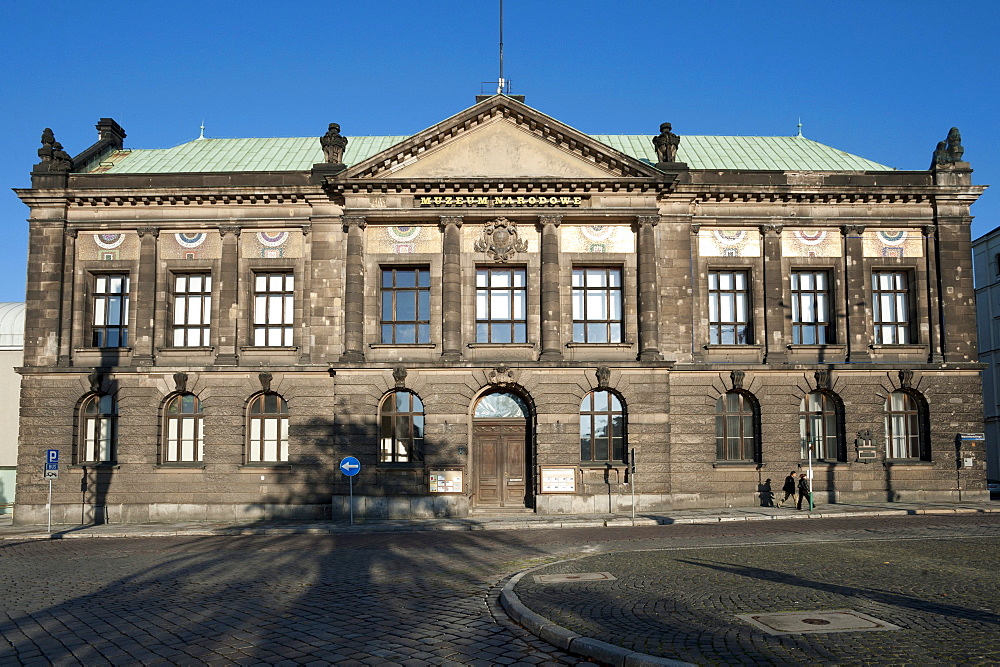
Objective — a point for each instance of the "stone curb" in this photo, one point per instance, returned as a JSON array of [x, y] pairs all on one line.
[[568, 640], [404, 526]]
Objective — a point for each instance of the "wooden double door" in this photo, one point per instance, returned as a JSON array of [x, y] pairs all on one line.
[[500, 460]]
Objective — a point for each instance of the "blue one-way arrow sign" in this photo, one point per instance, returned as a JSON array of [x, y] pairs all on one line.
[[350, 466]]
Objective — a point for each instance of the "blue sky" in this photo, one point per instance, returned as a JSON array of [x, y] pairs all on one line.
[[885, 80]]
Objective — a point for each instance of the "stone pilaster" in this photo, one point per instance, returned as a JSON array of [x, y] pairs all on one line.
[[303, 311], [855, 299], [451, 283], [551, 340], [66, 324], [354, 290], [228, 328], [649, 310], [935, 343], [699, 332], [774, 315], [144, 290]]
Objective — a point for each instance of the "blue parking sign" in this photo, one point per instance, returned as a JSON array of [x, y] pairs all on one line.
[[52, 456]]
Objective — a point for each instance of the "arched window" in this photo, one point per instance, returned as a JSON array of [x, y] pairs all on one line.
[[736, 417], [268, 431], [401, 428], [904, 438], [99, 436], [184, 430], [602, 427], [819, 426]]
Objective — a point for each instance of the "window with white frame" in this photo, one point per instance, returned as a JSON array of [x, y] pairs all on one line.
[[597, 305], [903, 435], [192, 309], [268, 432], [99, 435], [811, 308], [891, 307], [819, 426], [273, 308], [729, 308], [736, 417], [501, 305], [111, 302], [602, 427], [406, 306], [401, 428], [184, 430]]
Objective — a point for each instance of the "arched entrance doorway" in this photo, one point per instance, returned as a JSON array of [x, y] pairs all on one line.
[[501, 470]]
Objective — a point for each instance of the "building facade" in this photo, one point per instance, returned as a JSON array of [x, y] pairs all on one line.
[[11, 346], [986, 264], [497, 314]]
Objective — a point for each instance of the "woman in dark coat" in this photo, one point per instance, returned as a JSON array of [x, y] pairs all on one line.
[[803, 490]]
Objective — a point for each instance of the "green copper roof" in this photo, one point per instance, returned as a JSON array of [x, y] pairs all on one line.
[[759, 153], [301, 153]]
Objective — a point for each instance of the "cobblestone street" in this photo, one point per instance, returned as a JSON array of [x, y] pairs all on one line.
[[432, 598]]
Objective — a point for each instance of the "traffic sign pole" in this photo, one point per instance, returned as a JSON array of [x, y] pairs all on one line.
[[50, 471], [350, 466]]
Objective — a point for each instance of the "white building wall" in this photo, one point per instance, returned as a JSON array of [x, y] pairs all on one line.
[[986, 268]]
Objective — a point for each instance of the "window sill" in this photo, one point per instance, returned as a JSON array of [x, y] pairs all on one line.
[[102, 350], [105, 465], [917, 463], [804, 463], [409, 346], [185, 350], [717, 347], [739, 465], [263, 466], [908, 347], [622, 346], [401, 466], [801, 347], [269, 348], [179, 467], [601, 465], [506, 346]]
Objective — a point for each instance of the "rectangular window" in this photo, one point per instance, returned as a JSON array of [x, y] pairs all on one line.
[[501, 306], [110, 323], [597, 305], [728, 308], [811, 308], [406, 306], [272, 309], [192, 309], [890, 307]]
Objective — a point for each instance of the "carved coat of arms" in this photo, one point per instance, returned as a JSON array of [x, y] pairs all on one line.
[[500, 240]]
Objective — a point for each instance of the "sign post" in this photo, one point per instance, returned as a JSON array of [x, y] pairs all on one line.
[[631, 468], [51, 472], [350, 466]]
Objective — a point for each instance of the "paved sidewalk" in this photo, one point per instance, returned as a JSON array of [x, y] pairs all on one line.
[[506, 522]]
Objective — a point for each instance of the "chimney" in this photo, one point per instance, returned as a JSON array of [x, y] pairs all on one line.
[[109, 130]]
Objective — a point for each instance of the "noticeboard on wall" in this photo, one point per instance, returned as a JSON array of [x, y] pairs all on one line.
[[558, 480], [446, 481]]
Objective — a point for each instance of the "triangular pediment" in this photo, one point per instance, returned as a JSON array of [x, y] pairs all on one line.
[[500, 138]]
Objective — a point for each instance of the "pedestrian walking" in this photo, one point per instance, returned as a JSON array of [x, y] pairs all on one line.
[[789, 488], [803, 490]]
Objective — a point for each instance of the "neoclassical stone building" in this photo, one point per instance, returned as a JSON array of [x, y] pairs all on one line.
[[497, 314]]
